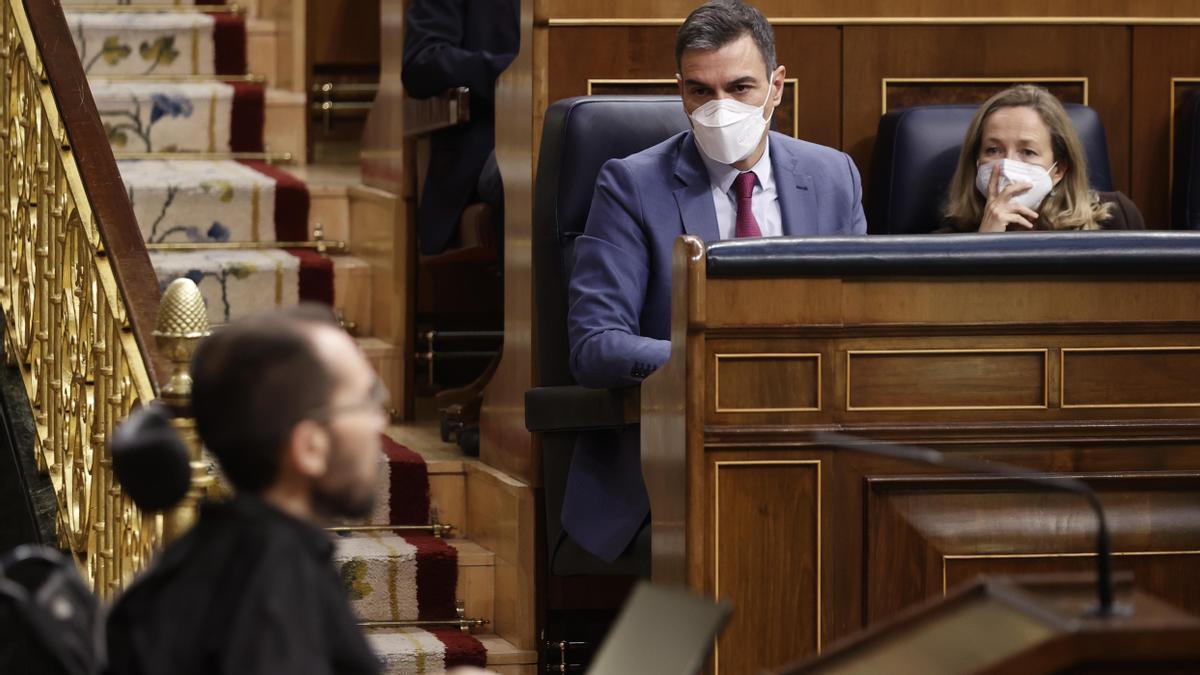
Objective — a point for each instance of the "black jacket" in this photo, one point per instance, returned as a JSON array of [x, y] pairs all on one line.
[[457, 43]]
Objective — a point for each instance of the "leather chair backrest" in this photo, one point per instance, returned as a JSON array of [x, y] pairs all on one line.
[[1185, 193], [916, 151], [578, 136]]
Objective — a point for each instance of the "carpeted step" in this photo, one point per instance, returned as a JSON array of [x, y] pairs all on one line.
[[413, 650], [159, 43], [398, 578], [215, 201], [237, 282], [148, 116]]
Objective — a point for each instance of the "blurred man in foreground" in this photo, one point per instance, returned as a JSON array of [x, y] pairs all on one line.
[[293, 412]]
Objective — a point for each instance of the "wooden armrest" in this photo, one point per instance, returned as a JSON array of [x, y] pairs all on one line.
[[575, 408], [448, 109]]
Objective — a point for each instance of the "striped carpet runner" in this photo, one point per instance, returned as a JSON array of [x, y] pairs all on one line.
[[167, 83]]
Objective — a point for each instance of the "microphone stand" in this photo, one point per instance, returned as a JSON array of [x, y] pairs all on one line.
[[1104, 586]]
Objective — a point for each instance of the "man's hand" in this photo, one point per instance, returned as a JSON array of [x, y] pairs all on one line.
[[1001, 213]]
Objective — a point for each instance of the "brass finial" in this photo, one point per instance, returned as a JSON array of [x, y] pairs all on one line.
[[182, 323]]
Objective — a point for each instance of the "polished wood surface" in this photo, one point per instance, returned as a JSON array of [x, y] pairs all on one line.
[[98, 168], [1026, 625], [1054, 373], [504, 442]]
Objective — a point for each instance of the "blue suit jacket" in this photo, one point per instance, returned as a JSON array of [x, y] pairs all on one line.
[[620, 296]]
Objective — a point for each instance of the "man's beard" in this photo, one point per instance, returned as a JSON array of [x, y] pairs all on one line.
[[336, 494]]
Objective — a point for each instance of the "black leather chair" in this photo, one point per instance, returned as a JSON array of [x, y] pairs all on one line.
[[1185, 192], [916, 151], [578, 136]]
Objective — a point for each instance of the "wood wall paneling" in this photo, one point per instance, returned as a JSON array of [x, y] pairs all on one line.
[[1101, 54], [946, 379], [632, 55], [1161, 55], [1131, 377], [767, 516], [504, 442]]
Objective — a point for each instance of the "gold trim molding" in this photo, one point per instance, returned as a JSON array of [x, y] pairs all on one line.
[[900, 352], [762, 357], [884, 82], [717, 465], [795, 82]]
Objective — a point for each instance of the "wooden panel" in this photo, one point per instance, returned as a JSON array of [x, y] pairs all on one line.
[[903, 92], [784, 120], [750, 383], [767, 548], [1099, 53], [775, 9], [1161, 54], [811, 55], [919, 529], [946, 380], [504, 442], [1133, 377]]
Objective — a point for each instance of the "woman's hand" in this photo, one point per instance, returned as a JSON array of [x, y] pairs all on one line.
[[1001, 213]]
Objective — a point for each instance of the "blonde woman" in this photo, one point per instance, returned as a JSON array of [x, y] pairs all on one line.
[[1022, 168]]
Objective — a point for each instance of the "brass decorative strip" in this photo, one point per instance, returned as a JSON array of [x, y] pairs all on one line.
[[901, 21], [318, 245], [439, 530], [229, 79], [795, 82], [814, 356], [1043, 556], [717, 466], [150, 9], [901, 352], [271, 157], [884, 82], [66, 320], [1062, 380], [464, 625]]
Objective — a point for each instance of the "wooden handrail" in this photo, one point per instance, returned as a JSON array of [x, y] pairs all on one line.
[[110, 204]]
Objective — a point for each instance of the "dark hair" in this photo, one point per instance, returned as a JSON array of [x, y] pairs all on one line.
[[718, 22], [253, 381]]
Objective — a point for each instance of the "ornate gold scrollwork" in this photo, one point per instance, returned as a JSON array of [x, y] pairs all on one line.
[[66, 320]]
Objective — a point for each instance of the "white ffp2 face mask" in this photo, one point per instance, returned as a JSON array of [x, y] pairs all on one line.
[[728, 130], [1012, 171]]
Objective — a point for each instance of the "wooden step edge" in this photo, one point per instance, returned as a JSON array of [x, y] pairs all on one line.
[[501, 652], [471, 554], [423, 439]]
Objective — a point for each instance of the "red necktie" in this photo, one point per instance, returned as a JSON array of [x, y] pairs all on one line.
[[746, 226]]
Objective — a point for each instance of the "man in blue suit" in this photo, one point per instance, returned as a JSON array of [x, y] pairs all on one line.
[[727, 177]]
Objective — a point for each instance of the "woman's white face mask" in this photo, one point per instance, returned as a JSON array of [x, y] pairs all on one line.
[[728, 130], [1012, 171]]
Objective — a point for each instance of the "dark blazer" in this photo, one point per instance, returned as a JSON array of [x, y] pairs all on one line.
[[619, 318], [457, 43], [1124, 215]]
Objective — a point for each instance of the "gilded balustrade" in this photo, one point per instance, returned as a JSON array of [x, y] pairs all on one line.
[[67, 326]]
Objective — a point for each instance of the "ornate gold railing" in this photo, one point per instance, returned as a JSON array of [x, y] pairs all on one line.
[[71, 317]]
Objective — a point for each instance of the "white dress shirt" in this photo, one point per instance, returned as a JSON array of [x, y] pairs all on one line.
[[764, 200]]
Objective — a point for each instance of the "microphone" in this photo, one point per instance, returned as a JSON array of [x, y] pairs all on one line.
[[1104, 586]]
